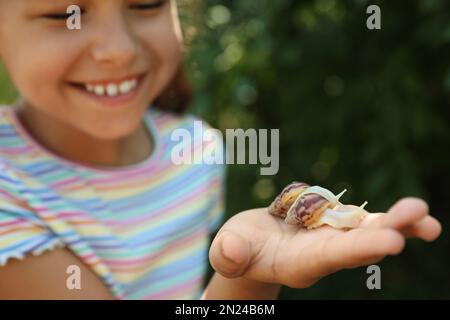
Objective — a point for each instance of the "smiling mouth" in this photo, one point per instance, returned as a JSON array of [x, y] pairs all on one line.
[[110, 89]]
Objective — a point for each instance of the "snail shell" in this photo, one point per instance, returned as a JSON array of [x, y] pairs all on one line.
[[280, 206], [313, 206]]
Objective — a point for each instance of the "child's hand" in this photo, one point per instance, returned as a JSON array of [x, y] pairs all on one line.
[[264, 248]]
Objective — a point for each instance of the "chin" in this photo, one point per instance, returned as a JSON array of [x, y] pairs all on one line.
[[108, 133]]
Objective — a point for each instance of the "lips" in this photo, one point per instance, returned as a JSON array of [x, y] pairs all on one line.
[[111, 92], [110, 88]]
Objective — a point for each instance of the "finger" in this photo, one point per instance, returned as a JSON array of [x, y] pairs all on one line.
[[405, 212], [373, 220], [230, 254], [352, 249], [427, 229]]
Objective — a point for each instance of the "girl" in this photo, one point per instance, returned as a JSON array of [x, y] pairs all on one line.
[[88, 190]]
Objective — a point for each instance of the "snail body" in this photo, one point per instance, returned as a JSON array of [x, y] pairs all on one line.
[[313, 206]]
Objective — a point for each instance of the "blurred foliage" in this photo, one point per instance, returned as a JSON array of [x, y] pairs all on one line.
[[366, 110], [8, 93]]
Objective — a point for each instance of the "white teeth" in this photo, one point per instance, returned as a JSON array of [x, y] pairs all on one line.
[[112, 89], [124, 87], [99, 90]]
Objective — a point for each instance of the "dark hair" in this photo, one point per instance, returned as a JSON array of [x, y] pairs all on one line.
[[178, 94]]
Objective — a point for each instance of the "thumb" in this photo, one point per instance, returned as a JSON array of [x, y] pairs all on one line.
[[229, 254]]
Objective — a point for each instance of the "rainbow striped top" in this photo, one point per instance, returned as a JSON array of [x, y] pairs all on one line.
[[143, 229]]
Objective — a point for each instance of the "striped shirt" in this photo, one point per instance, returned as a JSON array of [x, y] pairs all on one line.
[[143, 229]]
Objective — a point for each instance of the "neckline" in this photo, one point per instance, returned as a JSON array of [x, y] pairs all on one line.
[[150, 159]]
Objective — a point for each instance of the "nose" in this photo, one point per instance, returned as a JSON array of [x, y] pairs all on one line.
[[114, 43]]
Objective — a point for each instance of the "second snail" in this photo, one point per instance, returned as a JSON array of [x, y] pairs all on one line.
[[313, 206]]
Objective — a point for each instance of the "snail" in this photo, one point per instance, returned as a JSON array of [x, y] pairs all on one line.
[[313, 206]]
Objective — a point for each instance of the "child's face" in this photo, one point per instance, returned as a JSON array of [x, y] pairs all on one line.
[[118, 39]]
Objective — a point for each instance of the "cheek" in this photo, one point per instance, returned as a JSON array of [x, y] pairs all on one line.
[[164, 50], [38, 63], [163, 35], [166, 36], [171, 51]]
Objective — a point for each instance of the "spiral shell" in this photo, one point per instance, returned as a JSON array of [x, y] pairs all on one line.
[[313, 206], [280, 206]]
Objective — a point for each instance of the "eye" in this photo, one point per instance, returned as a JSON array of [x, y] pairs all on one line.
[[60, 16], [148, 6]]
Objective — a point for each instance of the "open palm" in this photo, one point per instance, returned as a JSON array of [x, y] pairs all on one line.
[[258, 246]]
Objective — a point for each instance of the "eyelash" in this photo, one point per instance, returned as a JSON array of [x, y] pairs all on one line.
[[60, 16], [147, 6], [144, 6]]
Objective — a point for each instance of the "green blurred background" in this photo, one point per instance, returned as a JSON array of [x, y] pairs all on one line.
[[358, 109], [366, 110]]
